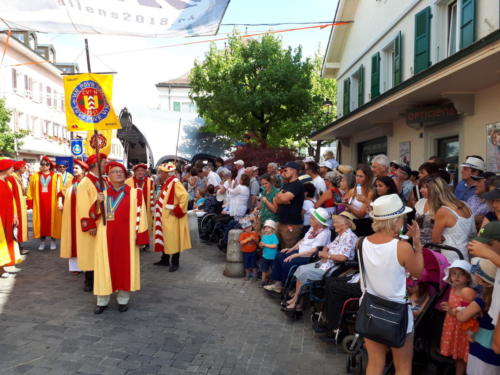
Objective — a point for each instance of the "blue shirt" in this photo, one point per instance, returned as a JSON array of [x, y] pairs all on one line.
[[464, 192], [269, 239]]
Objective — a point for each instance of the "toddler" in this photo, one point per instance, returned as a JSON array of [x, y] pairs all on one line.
[[248, 241], [269, 244], [418, 295]]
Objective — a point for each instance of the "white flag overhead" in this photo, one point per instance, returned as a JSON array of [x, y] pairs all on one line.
[[151, 18]]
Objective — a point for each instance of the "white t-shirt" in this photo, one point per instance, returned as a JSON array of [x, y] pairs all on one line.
[[213, 179], [240, 173], [320, 186], [495, 300], [307, 206], [239, 200], [322, 239]]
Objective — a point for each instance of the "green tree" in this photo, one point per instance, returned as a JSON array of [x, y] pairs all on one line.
[[253, 86], [8, 139]]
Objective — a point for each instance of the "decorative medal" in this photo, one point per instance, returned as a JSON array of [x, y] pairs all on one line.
[[113, 204], [45, 183]]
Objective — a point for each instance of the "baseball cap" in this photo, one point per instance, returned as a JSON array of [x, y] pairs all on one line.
[[405, 169], [489, 232], [239, 162], [491, 195], [292, 164], [483, 176]]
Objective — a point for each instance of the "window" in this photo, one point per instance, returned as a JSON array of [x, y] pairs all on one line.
[[177, 106], [449, 150], [422, 53], [357, 88], [367, 150], [45, 127], [40, 93], [14, 79], [49, 96], [375, 76], [387, 67], [397, 63], [452, 29]]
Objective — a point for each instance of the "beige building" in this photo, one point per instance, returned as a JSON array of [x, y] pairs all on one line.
[[416, 78]]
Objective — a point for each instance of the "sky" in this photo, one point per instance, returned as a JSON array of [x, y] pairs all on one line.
[[138, 72]]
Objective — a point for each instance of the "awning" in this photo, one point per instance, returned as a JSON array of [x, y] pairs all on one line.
[[456, 78]]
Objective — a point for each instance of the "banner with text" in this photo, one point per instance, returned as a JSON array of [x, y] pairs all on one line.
[[87, 101], [148, 18]]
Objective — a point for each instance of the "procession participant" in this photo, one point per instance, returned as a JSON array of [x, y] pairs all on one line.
[[20, 169], [171, 222], [140, 181], [67, 178], [9, 250], [70, 219], [117, 263], [86, 196], [22, 211], [45, 198]]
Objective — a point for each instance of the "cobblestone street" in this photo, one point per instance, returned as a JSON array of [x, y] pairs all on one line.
[[192, 321]]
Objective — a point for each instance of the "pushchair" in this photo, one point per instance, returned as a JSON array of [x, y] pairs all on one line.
[[428, 325]]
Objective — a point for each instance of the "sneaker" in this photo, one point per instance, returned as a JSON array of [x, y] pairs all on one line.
[[273, 288], [41, 247], [53, 245]]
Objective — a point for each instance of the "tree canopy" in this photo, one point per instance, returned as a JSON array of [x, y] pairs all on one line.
[[8, 138], [254, 86]]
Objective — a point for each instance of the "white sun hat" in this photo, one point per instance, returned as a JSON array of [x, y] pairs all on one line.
[[321, 215], [388, 207], [270, 223], [458, 263], [475, 163]]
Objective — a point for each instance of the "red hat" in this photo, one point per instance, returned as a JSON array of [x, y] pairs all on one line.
[[140, 165], [92, 159], [114, 164], [6, 164], [46, 158], [19, 165], [81, 164]]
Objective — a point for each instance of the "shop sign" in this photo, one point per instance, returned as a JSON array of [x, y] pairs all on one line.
[[435, 115]]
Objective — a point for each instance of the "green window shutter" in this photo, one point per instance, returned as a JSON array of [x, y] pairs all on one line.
[[361, 86], [347, 95], [422, 40], [398, 60], [467, 23], [375, 81], [177, 106]]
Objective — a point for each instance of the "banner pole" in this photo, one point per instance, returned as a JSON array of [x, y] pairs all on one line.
[[96, 134]]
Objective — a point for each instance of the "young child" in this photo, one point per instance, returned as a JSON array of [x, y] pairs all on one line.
[[269, 244], [248, 241], [454, 342], [308, 205], [199, 199], [482, 360], [418, 294]]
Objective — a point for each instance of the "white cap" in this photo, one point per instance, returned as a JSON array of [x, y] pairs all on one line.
[[239, 162], [270, 223], [475, 163], [308, 159]]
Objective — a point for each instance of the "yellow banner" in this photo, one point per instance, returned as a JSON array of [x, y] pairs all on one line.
[[108, 134], [87, 100]]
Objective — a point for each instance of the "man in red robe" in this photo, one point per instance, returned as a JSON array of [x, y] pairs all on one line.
[[117, 264], [18, 190], [44, 196], [9, 251]]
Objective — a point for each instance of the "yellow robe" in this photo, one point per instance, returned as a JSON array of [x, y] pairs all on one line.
[[175, 230], [67, 222], [23, 215], [86, 211], [4, 248], [33, 195], [102, 273], [66, 181]]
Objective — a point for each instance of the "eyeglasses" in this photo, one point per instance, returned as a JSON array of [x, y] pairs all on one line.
[[62, 167]]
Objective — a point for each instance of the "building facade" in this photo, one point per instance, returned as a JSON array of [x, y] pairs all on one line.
[[416, 78]]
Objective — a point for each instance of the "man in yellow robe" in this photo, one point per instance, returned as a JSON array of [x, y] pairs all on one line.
[[66, 177], [171, 222], [44, 196], [86, 197], [117, 264], [22, 210]]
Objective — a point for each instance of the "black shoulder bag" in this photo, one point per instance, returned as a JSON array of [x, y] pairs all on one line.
[[379, 319]]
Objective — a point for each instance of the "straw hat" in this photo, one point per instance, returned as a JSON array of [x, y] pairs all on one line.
[[485, 269], [474, 163], [167, 167], [350, 218], [388, 207]]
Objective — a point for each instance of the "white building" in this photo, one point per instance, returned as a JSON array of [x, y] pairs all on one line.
[[415, 78], [32, 84]]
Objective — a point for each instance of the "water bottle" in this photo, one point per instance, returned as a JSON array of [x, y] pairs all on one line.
[[359, 190]]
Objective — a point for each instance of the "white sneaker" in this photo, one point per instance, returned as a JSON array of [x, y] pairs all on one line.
[[53, 245], [41, 247]]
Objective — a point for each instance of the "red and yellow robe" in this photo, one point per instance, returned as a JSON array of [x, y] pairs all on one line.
[[86, 197], [70, 223], [21, 209], [117, 264], [66, 182], [9, 249], [171, 222], [147, 187], [46, 217]]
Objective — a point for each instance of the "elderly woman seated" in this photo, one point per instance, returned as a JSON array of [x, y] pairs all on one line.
[[339, 250], [317, 236]]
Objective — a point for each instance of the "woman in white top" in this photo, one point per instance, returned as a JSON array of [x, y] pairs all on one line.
[[239, 197], [359, 201], [453, 219], [386, 261]]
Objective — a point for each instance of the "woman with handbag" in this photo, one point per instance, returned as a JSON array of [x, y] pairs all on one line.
[[385, 319]]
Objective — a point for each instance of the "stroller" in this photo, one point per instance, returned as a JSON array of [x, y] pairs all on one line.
[[429, 323]]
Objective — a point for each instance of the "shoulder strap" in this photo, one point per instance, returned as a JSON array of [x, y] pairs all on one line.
[[360, 256]]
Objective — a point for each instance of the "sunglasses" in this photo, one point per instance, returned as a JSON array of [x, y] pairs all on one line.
[[45, 164], [62, 166]]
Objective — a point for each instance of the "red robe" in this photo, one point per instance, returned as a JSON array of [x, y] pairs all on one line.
[[20, 207], [7, 211]]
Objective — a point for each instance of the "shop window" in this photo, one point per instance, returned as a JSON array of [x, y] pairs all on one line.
[[467, 23], [449, 150], [422, 40], [367, 150]]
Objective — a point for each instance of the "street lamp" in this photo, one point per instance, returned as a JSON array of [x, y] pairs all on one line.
[[327, 107]]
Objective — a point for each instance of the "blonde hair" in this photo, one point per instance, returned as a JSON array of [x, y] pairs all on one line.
[[440, 194], [389, 225]]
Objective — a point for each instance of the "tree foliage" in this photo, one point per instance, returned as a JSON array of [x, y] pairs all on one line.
[[254, 86], [8, 138]]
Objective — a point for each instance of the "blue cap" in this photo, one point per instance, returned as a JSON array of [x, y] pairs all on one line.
[[292, 164]]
